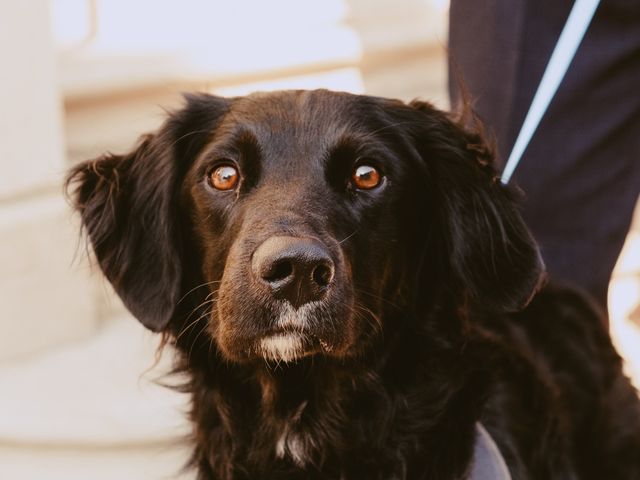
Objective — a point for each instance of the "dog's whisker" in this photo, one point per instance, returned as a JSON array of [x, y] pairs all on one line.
[[211, 294], [377, 297], [197, 287], [194, 322], [348, 237], [202, 329]]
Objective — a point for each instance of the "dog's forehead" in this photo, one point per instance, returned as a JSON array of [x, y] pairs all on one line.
[[299, 116]]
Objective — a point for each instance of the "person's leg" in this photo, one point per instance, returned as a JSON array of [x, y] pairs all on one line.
[[581, 171]]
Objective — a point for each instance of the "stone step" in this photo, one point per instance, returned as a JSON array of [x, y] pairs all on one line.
[[93, 410], [163, 462], [46, 297]]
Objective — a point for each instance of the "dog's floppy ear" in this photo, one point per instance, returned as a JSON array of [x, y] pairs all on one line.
[[130, 210], [492, 254]]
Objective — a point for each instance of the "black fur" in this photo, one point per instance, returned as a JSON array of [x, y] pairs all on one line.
[[421, 333]]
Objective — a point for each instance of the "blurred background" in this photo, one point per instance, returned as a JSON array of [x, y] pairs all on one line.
[[80, 77]]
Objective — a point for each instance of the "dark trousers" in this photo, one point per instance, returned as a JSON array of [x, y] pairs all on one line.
[[581, 171]]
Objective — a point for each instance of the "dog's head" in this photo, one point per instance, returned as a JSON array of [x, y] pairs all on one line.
[[285, 225]]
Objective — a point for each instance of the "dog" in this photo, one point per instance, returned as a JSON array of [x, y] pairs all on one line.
[[351, 291]]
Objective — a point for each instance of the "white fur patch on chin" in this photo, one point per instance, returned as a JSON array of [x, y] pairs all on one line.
[[297, 318], [284, 347]]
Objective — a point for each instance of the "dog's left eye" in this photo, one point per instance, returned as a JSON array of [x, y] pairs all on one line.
[[366, 177], [224, 178]]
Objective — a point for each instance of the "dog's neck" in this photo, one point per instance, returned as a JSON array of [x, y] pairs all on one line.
[[305, 407], [324, 413]]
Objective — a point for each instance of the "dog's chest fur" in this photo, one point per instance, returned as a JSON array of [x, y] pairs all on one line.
[[310, 421]]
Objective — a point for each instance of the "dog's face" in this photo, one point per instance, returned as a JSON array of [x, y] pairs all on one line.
[[300, 207], [288, 223]]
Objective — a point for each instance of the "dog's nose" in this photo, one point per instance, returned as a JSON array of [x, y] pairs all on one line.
[[299, 270]]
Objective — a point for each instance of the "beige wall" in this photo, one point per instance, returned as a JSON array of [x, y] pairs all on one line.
[[31, 149], [45, 299]]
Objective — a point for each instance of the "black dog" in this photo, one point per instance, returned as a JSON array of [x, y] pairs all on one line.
[[343, 277]]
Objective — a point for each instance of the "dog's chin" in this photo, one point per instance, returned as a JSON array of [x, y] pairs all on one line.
[[275, 346], [286, 347], [282, 335]]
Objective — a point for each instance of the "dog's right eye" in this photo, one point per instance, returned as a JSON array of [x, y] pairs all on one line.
[[225, 177], [366, 177]]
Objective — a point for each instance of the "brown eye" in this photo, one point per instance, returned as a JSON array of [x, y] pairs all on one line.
[[365, 177], [224, 178]]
